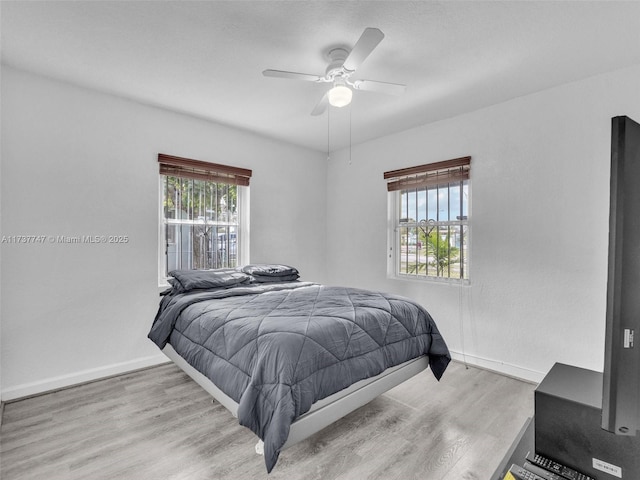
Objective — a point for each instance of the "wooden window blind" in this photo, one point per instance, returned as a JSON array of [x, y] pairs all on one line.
[[429, 175], [196, 169]]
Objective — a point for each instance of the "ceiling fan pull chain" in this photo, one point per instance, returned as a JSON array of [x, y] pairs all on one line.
[[350, 110], [328, 134]]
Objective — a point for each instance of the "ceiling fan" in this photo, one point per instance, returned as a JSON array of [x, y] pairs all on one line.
[[343, 64]]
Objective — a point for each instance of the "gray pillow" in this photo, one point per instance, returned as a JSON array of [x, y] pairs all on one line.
[[270, 270], [186, 280], [268, 279]]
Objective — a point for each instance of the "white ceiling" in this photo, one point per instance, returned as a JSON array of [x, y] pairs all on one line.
[[206, 58]]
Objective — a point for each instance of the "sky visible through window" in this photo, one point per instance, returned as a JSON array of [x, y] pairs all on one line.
[[439, 204]]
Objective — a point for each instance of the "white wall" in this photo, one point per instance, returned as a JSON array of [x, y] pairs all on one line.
[[539, 216], [77, 162]]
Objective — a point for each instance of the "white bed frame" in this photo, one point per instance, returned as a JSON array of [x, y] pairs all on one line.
[[324, 412]]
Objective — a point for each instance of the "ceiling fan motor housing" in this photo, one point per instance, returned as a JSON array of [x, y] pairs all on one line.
[[337, 57]]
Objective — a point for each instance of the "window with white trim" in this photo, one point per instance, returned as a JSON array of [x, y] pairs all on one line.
[[429, 220], [204, 213]]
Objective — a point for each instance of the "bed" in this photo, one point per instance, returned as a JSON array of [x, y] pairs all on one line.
[[287, 357]]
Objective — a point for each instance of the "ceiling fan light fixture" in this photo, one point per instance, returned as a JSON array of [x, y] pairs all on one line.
[[340, 96]]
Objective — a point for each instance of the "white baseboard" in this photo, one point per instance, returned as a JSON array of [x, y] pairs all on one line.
[[84, 376], [507, 369], [64, 381]]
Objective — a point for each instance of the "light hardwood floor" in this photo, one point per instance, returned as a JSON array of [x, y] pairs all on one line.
[[158, 424]]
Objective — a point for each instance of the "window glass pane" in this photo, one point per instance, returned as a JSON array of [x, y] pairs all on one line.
[[186, 200], [409, 263], [403, 206], [170, 197], [411, 205], [422, 205], [432, 197], [402, 249], [443, 204], [200, 224], [465, 197], [464, 252], [454, 201]]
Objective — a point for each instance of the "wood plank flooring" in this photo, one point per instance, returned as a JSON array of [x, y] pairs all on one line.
[[158, 424]]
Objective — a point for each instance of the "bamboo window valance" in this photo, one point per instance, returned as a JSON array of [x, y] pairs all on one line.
[[199, 170], [429, 175]]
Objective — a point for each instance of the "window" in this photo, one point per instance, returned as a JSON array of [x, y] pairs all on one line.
[[429, 211], [204, 210]]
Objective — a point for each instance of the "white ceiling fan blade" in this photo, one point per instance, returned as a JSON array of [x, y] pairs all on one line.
[[321, 106], [380, 87], [369, 40], [292, 75]]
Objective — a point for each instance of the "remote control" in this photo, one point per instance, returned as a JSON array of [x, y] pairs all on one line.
[[519, 473], [541, 472], [557, 468]]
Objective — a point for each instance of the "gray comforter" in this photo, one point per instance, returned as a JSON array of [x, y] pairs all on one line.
[[276, 348]]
